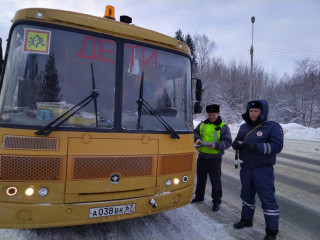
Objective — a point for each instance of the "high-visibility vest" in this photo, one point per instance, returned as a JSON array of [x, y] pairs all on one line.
[[210, 132]]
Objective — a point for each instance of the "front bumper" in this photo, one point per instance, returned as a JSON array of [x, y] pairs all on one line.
[[17, 215]]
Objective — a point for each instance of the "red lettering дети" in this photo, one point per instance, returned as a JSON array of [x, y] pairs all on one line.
[[105, 50], [94, 56]]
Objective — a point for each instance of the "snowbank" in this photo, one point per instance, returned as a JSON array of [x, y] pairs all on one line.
[[291, 131], [297, 131]]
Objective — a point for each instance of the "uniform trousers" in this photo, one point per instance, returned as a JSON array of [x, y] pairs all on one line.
[[260, 181], [211, 167]]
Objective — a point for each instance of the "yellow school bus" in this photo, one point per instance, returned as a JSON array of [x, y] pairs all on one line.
[[95, 121]]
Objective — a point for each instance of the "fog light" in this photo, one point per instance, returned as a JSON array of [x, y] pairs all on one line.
[[185, 179], [11, 191], [29, 191], [176, 181], [168, 182], [43, 192]]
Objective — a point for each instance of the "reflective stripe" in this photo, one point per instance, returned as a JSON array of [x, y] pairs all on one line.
[[271, 214], [269, 148], [245, 204], [214, 136], [204, 126], [277, 210], [250, 205], [264, 148]]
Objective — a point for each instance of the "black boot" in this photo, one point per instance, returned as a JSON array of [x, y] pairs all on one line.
[[197, 200], [215, 207], [271, 234], [243, 223]]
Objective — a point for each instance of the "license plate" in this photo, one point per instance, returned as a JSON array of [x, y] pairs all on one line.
[[112, 210]]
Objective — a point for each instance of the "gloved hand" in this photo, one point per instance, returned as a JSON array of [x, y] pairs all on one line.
[[212, 146], [250, 146], [236, 145]]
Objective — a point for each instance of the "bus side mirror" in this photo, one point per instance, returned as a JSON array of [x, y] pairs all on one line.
[[1, 56], [197, 107], [199, 90], [198, 96]]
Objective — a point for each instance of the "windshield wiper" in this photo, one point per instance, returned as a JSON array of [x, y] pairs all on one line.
[[46, 130], [144, 104], [95, 99], [140, 101]]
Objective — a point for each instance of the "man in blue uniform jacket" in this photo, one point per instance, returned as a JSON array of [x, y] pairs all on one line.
[[258, 141]]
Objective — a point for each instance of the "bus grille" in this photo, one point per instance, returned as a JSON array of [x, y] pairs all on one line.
[[30, 143], [104, 167], [175, 163], [30, 168]]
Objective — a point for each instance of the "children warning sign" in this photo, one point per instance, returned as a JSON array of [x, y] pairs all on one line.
[[37, 41]]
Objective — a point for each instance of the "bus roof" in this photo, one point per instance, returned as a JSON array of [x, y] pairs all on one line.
[[100, 24]]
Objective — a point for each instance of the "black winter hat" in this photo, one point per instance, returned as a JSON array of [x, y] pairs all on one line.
[[254, 104], [213, 108]]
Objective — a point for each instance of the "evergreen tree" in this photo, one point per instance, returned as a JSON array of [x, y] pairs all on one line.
[[188, 40], [190, 43], [52, 85], [179, 36]]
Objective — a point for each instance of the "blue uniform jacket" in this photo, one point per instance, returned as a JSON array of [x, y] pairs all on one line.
[[268, 139]]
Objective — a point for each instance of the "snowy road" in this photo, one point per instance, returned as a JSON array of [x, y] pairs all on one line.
[[297, 189]]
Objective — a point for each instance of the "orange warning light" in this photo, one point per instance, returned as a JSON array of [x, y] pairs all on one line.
[[109, 13]]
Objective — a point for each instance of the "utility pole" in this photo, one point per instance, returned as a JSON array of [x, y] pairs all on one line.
[[251, 70]]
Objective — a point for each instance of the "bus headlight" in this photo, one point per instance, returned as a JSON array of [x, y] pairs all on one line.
[[43, 192], [11, 191], [176, 181], [168, 182], [29, 191]]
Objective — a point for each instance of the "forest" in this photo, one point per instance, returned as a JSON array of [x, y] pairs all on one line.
[[292, 98]]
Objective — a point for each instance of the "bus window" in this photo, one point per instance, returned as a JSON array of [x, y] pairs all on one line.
[[48, 71], [166, 88]]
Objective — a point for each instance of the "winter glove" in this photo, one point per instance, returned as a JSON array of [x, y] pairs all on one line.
[[250, 146], [236, 145]]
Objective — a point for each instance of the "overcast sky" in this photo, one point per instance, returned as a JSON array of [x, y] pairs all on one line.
[[284, 30]]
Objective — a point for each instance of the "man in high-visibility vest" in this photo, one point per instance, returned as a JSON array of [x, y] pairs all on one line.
[[212, 137]]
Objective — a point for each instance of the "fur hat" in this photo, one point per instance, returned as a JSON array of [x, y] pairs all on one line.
[[213, 108], [254, 104]]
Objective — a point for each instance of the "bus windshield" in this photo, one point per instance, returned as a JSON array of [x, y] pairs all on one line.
[[166, 88], [48, 71]]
